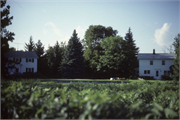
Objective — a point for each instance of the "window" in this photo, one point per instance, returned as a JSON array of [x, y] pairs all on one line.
[[163, 62], [146, 71], [33, 70], [26, 59], [32, 59], [29, 60], [167, 73], [20, 59], [13, 59], [17, 70], [157, 73], [27, 70], [151, 62]]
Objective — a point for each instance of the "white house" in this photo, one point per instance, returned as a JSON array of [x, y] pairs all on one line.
[[155, 64], [28, 61]]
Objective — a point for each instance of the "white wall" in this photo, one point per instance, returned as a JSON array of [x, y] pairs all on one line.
[[23, 65], [157, 66]]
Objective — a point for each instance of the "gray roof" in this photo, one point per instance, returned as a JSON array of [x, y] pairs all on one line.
[[21, 54], [160, 56]]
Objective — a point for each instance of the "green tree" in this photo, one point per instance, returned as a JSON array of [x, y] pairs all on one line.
[[39, 48], [175, 67], [92, 49], [131, 52], [6, 35], [73, 62], [110, 62], [30, 46], [54, 57]]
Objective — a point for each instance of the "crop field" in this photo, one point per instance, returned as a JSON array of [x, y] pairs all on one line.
[[31, 99]]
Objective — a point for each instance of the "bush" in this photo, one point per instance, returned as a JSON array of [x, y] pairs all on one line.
[[147, 77], [164, 77]]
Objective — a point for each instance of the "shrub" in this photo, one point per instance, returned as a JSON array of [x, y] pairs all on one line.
[[164, 77]]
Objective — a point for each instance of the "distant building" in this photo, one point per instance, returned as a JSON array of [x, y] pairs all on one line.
[[155, 64], [28, 61]]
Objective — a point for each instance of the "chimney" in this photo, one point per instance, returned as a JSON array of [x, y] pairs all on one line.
[[153, 51]]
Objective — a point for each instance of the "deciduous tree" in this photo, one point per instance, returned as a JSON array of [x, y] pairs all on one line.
[[92, 49], [175, 67], [6, 35]]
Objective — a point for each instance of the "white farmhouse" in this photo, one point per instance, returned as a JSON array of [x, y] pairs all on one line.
[[155, 64], [28, 61]]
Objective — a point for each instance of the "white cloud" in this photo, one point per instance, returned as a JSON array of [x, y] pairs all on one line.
[[163, 35], [81, 32], [51, 28]]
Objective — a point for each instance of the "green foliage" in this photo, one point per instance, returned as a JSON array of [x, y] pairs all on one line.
[[110, 62], [6, 35], [39, 48], [93, 37], [30, 99], [73, 61], [175, 67], [54, 56], [30, 46], [131, 52]]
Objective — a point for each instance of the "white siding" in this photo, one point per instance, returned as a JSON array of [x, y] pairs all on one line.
[[23, 65], [157, 66]]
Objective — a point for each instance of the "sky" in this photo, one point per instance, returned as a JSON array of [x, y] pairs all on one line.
[[154, 23]]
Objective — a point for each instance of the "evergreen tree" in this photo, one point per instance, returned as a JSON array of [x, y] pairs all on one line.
[[175, 67], [131, 52], [54, 57], [30, 46], [73, 61], [6, 36], [39, 48]]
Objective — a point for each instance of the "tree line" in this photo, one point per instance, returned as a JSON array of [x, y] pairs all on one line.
[[101, 54]]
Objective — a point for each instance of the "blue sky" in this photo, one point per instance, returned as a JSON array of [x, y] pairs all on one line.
[[154, 24]]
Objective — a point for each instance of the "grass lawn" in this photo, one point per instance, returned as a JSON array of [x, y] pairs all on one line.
[[96, 80]]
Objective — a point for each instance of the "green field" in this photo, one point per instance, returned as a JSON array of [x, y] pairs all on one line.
[[32, 99]]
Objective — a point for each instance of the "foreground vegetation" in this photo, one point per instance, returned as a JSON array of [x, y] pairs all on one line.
[[30, 99]]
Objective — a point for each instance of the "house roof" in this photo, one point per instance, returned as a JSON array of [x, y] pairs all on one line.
[[21, 54], [160, 56]]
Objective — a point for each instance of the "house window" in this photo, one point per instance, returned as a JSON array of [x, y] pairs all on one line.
[[167, 73], [26, 59], [17, 70], [151, 62], [157, 73], [29, 60], [32, 59], [146, 71], [163, 62], [20, 59], [33, 70], [27, 70]]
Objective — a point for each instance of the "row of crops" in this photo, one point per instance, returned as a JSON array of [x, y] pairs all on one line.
[[138, 100]]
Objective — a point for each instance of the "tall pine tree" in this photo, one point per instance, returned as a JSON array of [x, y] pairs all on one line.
[[30, 46], [73, 62], [131, 52]]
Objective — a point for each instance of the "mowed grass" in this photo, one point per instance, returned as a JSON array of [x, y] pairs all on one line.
[[96, 80]]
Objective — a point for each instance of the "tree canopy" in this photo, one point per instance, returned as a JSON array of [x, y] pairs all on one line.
[[30, 46], [73, 61]]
